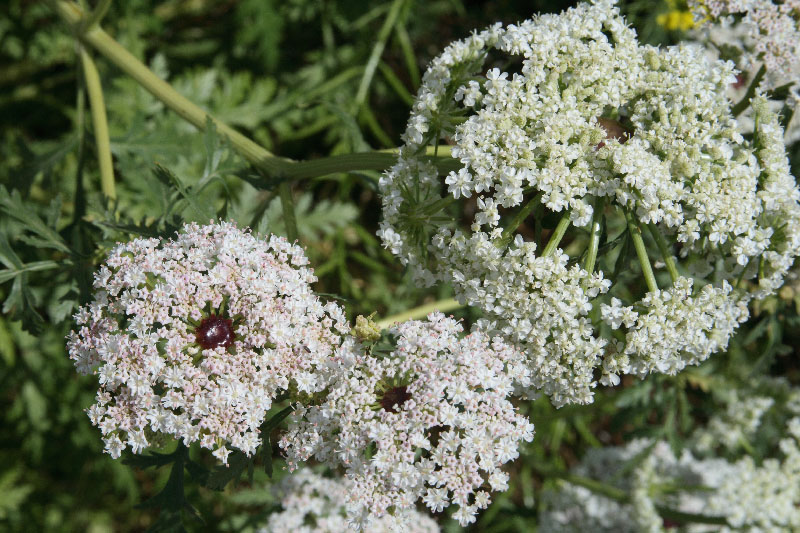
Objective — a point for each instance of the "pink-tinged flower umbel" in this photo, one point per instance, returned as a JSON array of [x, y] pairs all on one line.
[[194, 337], [431, 421]]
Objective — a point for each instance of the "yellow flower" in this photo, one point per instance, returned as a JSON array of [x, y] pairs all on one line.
[[676, 20]]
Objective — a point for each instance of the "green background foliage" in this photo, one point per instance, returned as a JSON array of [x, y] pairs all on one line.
[[305, 79]]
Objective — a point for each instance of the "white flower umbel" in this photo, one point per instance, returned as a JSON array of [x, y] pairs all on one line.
[[430, 421], [779, 197], [740, 494], [315, 504], [736, 425], [748, 497], [676, 330], [193, 337], [591, 131]]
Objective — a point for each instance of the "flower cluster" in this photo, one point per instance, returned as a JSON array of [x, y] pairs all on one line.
[[546, 302], [746, 495], [749, 497], [778, 198], [678, 329], [591, 130], [742, 415], [194, 337], [314, 504], [434, 417], [768, 33]]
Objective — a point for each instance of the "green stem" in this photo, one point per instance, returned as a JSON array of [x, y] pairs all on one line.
[[740, 279], [94, 91], [665, 253], [742, 104], [422, 311], [378, 160], [641, 252], [268, 163], [786, 115], [339, 163], [519, 218], [125, 61], [408, 53], [377, 52], [289, 217], [80, 127], [374, 126], [97, 14], [597, 230], [690, 518], [431, 209], [558, 234], [598, 487], [399, 89]]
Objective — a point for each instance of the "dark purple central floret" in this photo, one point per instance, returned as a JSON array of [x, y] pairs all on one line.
[[215, 331], [395, 396]]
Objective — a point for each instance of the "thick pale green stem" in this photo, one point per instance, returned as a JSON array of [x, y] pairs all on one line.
[[380, 160], [94, 91], [422, 311], [287, 204], [557, 235], [340, 163], [377, 160], [594, 240], [270, 164], [665, 252], [641, 252], [126, 62]]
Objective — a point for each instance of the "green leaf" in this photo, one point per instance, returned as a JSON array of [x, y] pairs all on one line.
[[201, 208], [7, 350], [260, 30], [35, 266], [198, 472], [171, 499], [35, 405], [314, 221], [44, 163], [240, 101], [156, 228], [45, 236], [20, 303], [151, 459], [213, 152], [12, 495], [7, 255], [219, 478]]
